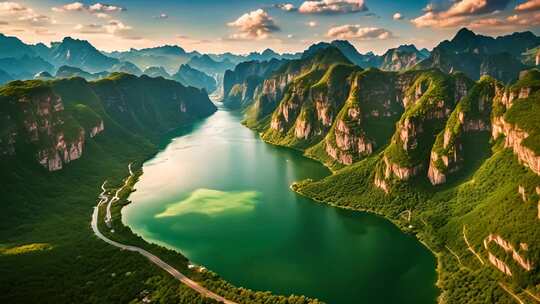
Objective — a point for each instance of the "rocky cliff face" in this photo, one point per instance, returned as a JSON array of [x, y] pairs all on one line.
[[50, 122], [239, 84], [402, 58], [513, 139], [38, 119], [428, 103], [471, 115], [517, 120]]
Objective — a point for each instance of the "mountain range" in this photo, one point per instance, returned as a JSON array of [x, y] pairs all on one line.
[[445, 144], [462, 153]]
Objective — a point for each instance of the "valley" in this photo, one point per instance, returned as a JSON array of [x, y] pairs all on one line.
[[260, 160]]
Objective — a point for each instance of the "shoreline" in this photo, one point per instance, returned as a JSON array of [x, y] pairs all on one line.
[[331, 171]]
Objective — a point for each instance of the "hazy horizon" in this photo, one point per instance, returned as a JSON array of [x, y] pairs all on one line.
[[241, 27]]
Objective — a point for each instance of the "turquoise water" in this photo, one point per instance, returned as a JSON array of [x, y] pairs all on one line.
[[221, 196]]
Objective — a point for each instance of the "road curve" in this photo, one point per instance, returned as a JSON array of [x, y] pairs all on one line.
[[160, 263], [108, 218]]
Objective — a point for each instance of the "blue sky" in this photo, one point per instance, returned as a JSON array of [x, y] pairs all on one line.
[[242, 26]]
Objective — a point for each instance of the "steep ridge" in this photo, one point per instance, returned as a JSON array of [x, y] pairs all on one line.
[[50, 121], [289, 82], [428, 103], [402, 58], [80, 54], [240, 84], [481, 220], [472, 114]]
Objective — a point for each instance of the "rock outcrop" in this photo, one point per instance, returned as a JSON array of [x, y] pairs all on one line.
[[523, 262], [513, 139]]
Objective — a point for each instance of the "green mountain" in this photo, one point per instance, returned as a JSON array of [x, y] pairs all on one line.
[[402, 58], [167, 56], [66, 71], [206, 64], [155, 71], [80, 54], [477, 55], [239, 85], [13, 47], [52, 120], [24, 67], [452, 160], [192, 77], [126, 67]]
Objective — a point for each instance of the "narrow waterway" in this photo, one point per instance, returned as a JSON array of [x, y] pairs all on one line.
[[221, 196]]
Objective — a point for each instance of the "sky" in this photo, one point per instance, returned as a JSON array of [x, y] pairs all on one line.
[[243, 26]]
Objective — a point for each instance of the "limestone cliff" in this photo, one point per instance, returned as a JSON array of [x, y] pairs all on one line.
[[428, 103], [51, 121], [471, 115]]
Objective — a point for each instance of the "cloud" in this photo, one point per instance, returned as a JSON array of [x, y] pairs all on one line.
[[113, 27], [332, 7], [100, 7], [458, 13], [397, 16], [509, 23], [288, 7], [356, 31], [528, 6], [22, 14], [162, 16], [70, 7], [254, 25], [96, 8], [312, 23], [103, 16]]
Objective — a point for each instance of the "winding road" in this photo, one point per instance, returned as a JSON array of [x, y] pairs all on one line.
[[108, 217], [154, 259]]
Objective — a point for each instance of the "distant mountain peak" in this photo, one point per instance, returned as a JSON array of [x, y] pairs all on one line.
[[464, 34]]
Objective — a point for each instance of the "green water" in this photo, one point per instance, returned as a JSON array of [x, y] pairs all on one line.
[[221, 196]]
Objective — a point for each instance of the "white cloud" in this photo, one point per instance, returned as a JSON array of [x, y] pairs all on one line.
[[459, 13], [96, 8], [100, 7], [22, 14], [397, 16], [312, 23], [254, 25], [510, 23], [527, 6], [288, 7], [113, 27], [332, 6], [356, 31], [70, 7], [162, 16]]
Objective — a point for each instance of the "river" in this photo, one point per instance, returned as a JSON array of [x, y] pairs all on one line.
[[220, 195]]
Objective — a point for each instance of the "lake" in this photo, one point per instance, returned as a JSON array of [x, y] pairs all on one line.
[[220, 195]]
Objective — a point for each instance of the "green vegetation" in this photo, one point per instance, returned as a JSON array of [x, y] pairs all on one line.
[[480, 199], [524, 114], [48, 253]]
